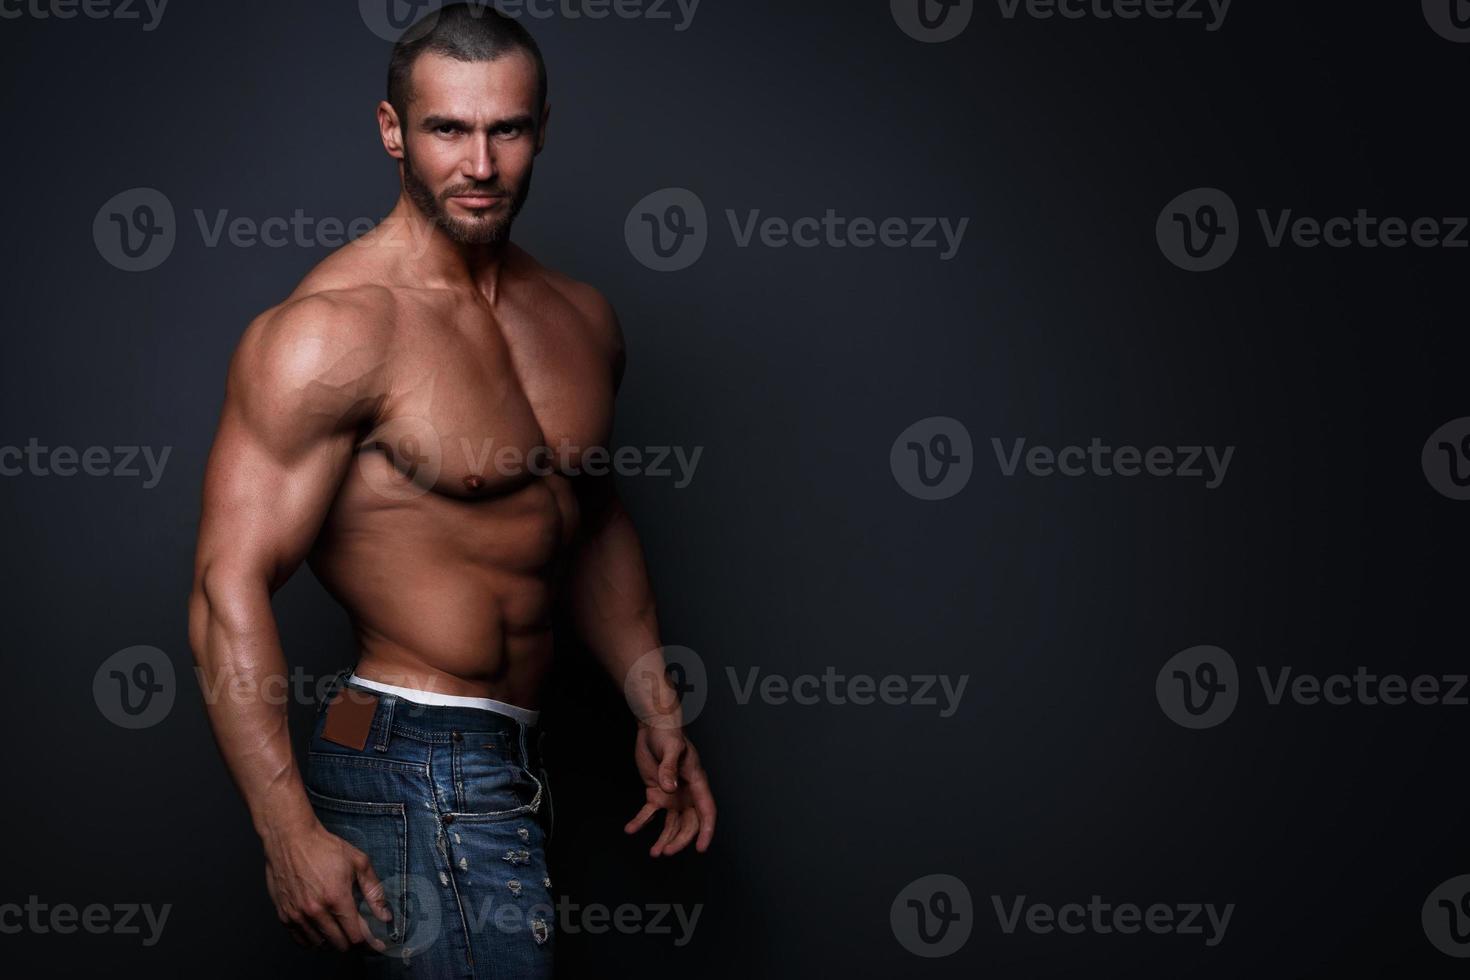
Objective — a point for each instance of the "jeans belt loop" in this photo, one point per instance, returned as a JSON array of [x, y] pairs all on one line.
[[384, 722], [334, 686]]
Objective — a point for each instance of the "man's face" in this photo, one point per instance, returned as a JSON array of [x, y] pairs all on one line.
[[470, 142]]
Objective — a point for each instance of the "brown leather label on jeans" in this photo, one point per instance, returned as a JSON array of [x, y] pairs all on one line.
[[350, 718]]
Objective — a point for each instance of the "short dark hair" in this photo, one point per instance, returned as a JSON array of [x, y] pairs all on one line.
[[464, 32]]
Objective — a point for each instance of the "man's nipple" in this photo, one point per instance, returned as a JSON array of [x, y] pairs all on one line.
[[474, 482]]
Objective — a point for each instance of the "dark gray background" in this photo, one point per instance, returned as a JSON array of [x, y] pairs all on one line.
[[795, 548]]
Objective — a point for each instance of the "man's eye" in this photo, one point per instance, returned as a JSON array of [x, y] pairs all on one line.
[[507, 130], [445, 130]]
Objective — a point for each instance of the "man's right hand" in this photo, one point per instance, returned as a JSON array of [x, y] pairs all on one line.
[[310, 874]]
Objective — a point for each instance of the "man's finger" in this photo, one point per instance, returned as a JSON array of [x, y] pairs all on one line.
[[688, 827], [671, 827], [373, 890], [704, 804], [689, 766], [325, 922], [307, 930], [354, 926], [365, 933], [636, 824], [668, 771]]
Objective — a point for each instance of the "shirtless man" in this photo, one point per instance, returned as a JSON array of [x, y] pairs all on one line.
[[412, 422]]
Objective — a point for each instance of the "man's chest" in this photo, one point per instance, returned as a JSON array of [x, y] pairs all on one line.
[[478, 405]]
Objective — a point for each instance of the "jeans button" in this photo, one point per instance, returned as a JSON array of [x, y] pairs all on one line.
[[457, 736]]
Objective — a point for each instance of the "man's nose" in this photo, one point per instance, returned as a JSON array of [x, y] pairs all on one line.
[[480, 165]]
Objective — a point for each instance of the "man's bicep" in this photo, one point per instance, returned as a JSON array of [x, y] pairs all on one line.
[[262, 507], [286, 439]]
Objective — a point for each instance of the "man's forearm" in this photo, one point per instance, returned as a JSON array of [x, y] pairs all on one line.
[[233, 633], [614, 610]]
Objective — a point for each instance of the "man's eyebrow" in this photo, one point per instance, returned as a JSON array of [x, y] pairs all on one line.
[[522, 121]]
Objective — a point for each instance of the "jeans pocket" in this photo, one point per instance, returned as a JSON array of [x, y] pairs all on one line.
[[379, 830]]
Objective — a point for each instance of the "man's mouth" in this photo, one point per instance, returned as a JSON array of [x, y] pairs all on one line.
[[477, 201]]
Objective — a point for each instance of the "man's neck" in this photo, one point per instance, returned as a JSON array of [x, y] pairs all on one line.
[[434, 258]]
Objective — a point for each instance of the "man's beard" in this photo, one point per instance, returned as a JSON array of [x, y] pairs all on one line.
[[489, 229]]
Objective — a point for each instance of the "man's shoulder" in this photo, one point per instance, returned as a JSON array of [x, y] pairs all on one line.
[[326, 341], [593, 309], [354, 316]]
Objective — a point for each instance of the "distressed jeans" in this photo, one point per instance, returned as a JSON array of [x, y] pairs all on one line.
[[453, 807]]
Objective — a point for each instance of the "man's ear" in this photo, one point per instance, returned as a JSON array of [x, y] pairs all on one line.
[[541, 129], [390, 130]]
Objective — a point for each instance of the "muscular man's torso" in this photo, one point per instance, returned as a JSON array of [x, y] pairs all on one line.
[[443, 542]]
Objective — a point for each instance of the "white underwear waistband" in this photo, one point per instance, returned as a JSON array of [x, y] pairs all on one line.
[[523, 715]]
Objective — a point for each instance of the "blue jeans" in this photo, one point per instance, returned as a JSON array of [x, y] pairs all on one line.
[[452, 806]]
